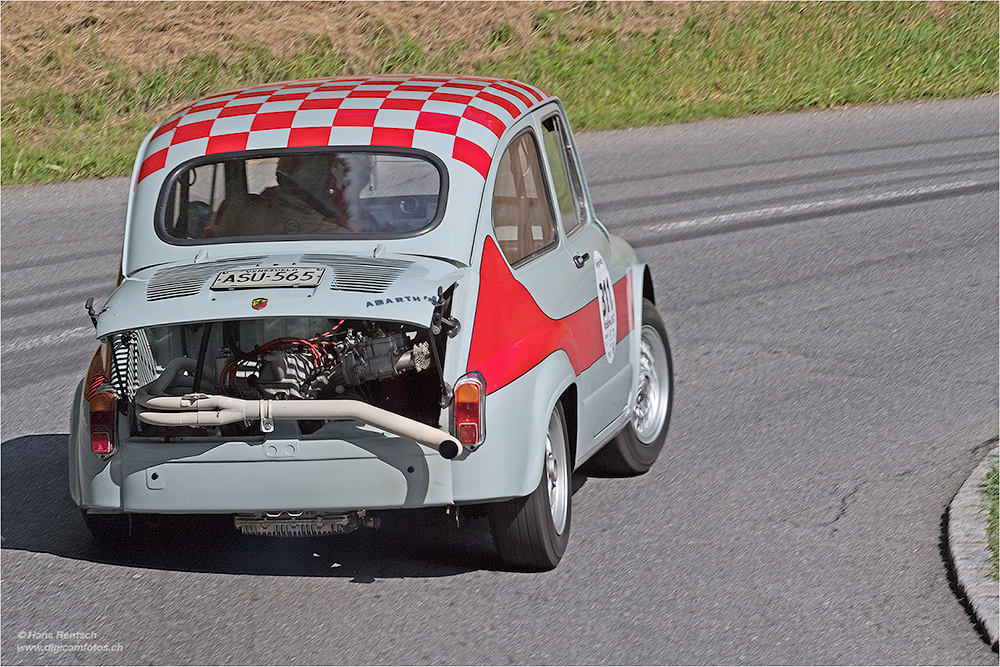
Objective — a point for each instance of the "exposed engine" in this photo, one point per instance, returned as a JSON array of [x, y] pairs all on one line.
[[388, 365], [329, 363]]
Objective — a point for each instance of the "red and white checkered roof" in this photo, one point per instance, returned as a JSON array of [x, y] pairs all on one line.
[[462, 117]]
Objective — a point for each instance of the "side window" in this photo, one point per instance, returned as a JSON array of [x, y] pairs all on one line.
[[569, 192], [522, 216], [193, 200]]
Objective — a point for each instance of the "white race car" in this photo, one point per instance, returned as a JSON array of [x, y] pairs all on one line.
[[342, 296]]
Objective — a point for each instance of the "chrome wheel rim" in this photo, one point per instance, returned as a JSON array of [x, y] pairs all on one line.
[[557, 472], [653, 397]]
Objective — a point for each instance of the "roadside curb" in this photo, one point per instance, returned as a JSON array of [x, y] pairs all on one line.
[[969, 552]]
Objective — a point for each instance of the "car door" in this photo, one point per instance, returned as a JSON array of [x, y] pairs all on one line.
[[604, 383], [555, 310]]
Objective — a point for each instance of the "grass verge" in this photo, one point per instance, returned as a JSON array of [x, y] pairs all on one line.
[[991, 500], [71, 108]]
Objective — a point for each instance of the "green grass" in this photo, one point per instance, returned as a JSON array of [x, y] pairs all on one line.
[[990, 500], [770, 58], [721, 61]]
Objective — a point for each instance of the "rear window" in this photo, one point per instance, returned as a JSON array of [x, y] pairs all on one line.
[[302, 195]]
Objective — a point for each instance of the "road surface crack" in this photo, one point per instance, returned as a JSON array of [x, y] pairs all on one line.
[[845, 502]]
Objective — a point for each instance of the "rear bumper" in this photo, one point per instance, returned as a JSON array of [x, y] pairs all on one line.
[[369, 471], [344, 466], [337, 485]]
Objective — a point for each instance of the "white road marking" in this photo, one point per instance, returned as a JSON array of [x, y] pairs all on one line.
[[32, 343], [726, 218], [792, 209]]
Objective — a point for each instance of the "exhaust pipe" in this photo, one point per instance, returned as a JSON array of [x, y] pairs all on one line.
[[214, 410]]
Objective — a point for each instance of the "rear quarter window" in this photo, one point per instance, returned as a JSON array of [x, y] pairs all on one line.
[[523, 221]]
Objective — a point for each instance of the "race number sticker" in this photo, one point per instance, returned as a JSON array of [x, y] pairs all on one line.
[[606, 305]]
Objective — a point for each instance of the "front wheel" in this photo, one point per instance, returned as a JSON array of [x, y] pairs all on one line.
[[531, 533], [634, 450]]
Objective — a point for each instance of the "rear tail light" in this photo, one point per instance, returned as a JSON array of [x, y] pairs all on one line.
[[103, 406], [96, 373], [470, 410]]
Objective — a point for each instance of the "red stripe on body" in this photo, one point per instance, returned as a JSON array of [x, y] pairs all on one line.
[[321, 103], [355, 118], [199, 106], [451, 97], [507, 105], [516, 93], [403, 103], [227, 143], [391, 136], [308, 136], [437, 122], [369, 93], [277, 120], [531, 90], [240, 110], [466, 86], [340, 85], [486, 119], [192, 131], [624, 311], [167, 127], [288, 97], [472, 155], [152, 164], [511, 335]]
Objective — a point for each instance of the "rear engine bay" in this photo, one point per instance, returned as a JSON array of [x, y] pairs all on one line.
[[392, 366]]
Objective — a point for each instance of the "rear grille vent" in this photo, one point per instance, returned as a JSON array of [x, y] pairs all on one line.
[[187, 280], [357, 274]]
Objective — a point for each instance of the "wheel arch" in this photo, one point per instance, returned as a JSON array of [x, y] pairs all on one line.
[[509, 462], [570, 402], [647, 285], [77, 426]]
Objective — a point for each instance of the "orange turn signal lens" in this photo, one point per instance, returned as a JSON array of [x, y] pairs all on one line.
[[469, 392], [470, 409]]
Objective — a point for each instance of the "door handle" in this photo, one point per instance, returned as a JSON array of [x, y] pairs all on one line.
[[580, 260]]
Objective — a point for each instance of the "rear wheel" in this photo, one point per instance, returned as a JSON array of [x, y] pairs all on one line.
[[111, 531], [634, 450], [531, 533]]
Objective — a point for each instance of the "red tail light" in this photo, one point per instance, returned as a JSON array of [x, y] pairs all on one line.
[[470, 410], [103, 406]]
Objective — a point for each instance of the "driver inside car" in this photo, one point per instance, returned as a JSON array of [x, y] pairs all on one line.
[[315, 194]]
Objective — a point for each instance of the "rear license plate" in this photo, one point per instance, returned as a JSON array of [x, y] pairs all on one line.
[[272, 276]]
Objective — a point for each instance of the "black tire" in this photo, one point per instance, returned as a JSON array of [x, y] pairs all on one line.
[[634, 450], [525, 530]]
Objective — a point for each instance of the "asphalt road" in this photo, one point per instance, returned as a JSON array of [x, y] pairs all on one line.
[[830, 284]]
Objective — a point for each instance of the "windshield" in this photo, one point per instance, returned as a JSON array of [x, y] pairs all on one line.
[[296, 195]]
